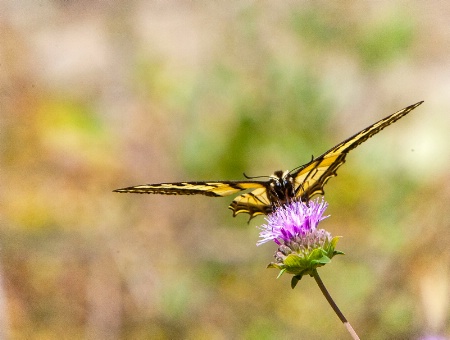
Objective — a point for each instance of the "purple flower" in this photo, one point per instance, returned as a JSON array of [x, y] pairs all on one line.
[[296, 219], [302, 247]]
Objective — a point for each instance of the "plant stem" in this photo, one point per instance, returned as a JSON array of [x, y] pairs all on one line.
[[334, 306]]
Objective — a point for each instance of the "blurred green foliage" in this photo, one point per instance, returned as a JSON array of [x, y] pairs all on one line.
[[375, 44], [241, 143]]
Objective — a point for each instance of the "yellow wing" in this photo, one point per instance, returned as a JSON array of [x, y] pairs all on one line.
[[310, 178], [215, 189], [253, 203]]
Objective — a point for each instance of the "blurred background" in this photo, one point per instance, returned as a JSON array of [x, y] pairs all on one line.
[[98, 95]]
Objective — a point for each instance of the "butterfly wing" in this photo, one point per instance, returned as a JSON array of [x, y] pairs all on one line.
[[214, 189], [310, 178], [253, 203]]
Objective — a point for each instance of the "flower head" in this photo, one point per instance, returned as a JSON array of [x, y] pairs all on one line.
[[292, 220], [301, 246]]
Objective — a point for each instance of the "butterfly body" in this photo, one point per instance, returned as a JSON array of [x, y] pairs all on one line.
[[281, 187], [300, 183]]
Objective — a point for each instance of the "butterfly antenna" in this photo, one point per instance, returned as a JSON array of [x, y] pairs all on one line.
[[253, 177], [301, 166]]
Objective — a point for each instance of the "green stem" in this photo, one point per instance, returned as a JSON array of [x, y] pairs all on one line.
[[334, 306]]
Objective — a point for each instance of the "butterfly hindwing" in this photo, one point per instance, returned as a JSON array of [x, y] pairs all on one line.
[[254, 203], [311, 177]]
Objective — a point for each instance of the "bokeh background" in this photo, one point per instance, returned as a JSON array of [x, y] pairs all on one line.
[[98, 95]]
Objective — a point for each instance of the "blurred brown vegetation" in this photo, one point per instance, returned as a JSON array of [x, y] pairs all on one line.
[[99, 95]]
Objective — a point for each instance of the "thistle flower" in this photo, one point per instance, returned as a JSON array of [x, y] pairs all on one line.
[[302, 247]]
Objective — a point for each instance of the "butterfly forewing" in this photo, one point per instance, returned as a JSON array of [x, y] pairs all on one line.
[[359, 138], [218, 189], [311, 177]]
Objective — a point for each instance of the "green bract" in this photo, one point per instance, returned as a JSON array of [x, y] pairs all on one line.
[[303, 262]]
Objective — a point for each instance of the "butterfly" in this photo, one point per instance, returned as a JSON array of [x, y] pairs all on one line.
[[301, 183]]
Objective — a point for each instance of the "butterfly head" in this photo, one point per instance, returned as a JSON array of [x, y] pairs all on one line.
[[281, 187]]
